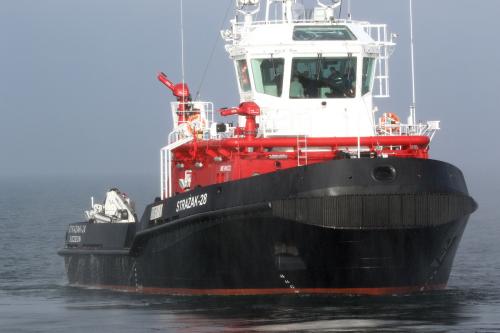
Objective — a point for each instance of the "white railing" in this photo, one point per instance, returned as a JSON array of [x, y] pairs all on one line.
[[378, 32], [310, 19], [197, 119], [428, 129], [270, 124], [166, 166], [165, 176], [238, 28], [194, 121]]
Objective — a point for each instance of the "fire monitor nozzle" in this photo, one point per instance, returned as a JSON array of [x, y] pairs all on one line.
[[180, 90]]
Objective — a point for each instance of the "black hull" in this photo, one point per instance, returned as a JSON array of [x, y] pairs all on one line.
[[304, 230]]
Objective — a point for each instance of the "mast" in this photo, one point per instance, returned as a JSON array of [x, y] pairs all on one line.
[[413, 104], [182, 43]]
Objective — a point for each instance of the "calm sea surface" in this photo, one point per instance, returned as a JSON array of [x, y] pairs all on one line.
[[34, 296]]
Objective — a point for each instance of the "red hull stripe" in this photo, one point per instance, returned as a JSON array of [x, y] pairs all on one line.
[[276, 291]]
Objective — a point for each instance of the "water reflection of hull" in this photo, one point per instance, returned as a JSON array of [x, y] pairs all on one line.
[[309, 231]]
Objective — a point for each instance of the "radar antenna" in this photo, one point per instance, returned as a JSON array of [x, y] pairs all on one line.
[[335, 4], [330, 9], [248, 7]]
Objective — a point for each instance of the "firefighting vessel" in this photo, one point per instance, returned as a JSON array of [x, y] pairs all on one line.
[[305, 188]]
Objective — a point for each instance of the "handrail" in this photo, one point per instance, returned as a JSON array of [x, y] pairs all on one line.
[[186, 128], [429, 129]]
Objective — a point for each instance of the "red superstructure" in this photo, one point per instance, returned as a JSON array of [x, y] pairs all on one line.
[[201, 161]]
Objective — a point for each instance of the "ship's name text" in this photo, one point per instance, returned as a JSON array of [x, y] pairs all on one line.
[[77, 229], [191, 202], [75, 239], [156, 212]]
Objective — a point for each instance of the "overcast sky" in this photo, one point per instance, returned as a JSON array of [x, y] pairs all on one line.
[[79, 95]]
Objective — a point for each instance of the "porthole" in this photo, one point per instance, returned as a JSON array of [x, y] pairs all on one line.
[[384, 173]]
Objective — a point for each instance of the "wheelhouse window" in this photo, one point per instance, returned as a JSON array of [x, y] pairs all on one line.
[[368, 72], [243, 77], [329, 32], [268, 75], [323, 77]]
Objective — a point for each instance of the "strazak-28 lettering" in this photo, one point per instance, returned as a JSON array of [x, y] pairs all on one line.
[[191, 202]]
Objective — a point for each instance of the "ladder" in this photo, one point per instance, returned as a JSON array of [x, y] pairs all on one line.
[[301, 150]]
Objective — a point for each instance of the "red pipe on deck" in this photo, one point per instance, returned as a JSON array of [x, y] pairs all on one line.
[[420, 141]]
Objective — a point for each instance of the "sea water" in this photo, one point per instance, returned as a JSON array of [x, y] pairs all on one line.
[[35, 297]]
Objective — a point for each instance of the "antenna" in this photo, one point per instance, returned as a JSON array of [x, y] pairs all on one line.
[[413, 107], [349, 13], [182, 42]]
